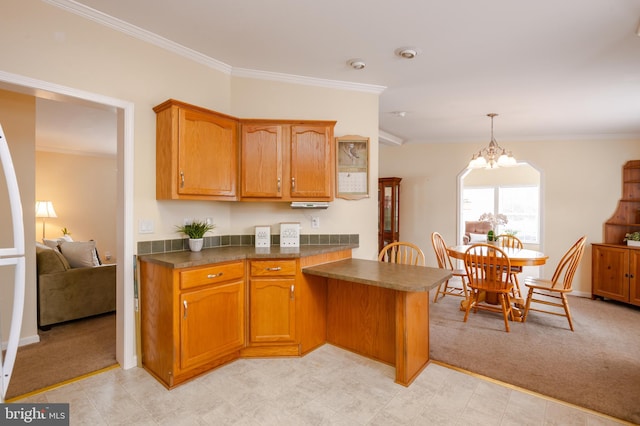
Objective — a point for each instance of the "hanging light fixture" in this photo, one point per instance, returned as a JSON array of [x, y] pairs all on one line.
[[493, 155]]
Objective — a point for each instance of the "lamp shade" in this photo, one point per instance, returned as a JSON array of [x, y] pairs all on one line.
[[45, 209]]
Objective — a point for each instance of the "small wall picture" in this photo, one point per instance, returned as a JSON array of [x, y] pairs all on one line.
[[352, 153]]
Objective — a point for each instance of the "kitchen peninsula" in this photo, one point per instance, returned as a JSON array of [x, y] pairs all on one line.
[[202, 310]]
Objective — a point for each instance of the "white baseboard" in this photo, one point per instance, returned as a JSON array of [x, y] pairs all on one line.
[[24, 341]]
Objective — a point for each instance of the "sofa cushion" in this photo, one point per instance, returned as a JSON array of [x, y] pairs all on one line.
[[477, 238], [80, 254], [49, 261]]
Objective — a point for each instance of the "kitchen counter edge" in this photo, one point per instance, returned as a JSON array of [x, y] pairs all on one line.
[[188, 259]]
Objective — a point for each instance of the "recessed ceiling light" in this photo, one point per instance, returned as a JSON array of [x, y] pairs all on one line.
[[399, 113], [407, 52], [356, 64]]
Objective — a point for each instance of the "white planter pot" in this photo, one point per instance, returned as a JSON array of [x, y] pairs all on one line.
[[633, 243], [195, 244]]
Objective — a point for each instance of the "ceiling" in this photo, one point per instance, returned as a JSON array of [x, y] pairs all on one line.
[[552, 70]]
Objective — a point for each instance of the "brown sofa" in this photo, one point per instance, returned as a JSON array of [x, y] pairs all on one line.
[[475, 227], [66, 293]]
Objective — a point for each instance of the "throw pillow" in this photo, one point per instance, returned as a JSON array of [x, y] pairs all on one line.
[[80, 254], [52, 244], [478, 238]]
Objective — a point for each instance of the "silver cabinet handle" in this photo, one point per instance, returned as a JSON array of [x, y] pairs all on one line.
[[181, 179], [276, 268], [291, 293], [293, 183], [186, 307], [278, 184], [210, 276]]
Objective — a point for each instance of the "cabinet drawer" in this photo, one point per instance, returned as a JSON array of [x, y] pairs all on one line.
[[265, 268], [211, 274]]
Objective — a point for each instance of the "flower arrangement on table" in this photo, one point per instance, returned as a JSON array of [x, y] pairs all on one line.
[[495, 220]]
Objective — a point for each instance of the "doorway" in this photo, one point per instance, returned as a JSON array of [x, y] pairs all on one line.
[[125, 329]]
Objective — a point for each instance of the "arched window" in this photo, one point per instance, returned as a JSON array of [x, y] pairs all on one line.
[[511, 191]]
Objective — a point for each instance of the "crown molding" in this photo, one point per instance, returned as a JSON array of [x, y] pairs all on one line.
[[308, 81], [389, 139], [139, 33], [152, 38]]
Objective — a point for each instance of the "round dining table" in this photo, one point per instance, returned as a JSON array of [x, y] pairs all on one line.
[[517, 257]]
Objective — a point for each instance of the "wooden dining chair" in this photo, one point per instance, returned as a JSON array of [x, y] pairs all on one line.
[[488, 269], [547, 292], [513, 242], [402, 252], [444, 262]]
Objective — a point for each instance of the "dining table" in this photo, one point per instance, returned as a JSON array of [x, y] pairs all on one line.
[[517, 257]]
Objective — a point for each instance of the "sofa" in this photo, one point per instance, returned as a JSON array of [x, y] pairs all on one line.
[[475, 231], [68, 293]]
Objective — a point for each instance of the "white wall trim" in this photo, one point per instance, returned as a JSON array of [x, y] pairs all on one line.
[[125, 323], [307, 81], [152, 38]]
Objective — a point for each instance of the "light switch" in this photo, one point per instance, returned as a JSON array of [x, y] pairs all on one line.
[[145, 226]]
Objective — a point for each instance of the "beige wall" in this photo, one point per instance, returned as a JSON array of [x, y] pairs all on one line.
[[17, 117], [46, 43], [581, 185], [83, 191]]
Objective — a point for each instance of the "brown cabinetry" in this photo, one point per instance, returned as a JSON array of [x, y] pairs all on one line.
[[388, 211], [615, 266], [196, 153], [192, 319], [287, 161], [615, 272], [272, 306]]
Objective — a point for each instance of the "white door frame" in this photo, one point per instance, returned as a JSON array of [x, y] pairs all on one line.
[[125, 321]]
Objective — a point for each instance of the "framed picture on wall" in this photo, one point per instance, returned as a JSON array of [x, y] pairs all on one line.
[[352, 154]]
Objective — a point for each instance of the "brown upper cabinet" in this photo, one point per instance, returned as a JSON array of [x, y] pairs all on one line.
[[204, 155], [287, 161], [196, 153]]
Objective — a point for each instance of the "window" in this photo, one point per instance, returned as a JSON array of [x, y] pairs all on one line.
[[520, 203]]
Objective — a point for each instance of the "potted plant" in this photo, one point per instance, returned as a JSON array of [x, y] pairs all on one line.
[[66, 234], [195, 231], [633, 239]]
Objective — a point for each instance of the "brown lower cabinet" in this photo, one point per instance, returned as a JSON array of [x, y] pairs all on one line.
[[615, 273], [196, 319]]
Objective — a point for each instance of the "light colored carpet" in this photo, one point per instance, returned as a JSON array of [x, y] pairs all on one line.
[[64, 352], [597, 366]]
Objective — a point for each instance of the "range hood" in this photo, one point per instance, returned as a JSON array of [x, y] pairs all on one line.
[[309, 205]]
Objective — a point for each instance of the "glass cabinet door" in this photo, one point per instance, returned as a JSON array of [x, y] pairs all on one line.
[[389, 210]]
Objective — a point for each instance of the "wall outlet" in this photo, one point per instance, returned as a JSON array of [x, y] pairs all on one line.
[[145, 226], [315, 222]]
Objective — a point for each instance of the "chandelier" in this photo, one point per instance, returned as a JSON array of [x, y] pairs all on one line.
[[493, 155]]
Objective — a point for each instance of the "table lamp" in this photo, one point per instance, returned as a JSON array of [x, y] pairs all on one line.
[[44, 209]]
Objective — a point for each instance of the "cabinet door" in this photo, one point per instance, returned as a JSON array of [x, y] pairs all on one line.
[[610, 272], [272, 310], [211, 323], [312, 162], [207, 154], [634, 276], [261, 161]]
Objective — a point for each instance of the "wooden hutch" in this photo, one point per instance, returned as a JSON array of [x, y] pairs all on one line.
[[388, 211], [616, 266]]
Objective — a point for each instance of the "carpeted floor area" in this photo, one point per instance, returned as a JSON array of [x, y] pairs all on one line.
[[64, 352], [597, 366]]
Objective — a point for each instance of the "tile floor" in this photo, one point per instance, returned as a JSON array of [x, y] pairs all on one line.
[[329, 386]]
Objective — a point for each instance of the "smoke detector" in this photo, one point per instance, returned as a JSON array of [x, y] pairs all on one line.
[[356, 64]]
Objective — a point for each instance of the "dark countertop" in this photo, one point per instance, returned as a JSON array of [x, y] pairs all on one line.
[[382, 274], [186, 259]]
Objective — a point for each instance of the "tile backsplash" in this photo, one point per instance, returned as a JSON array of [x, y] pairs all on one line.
[[182, 244]]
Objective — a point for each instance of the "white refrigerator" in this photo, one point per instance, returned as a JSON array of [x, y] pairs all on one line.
[[11, 257]]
